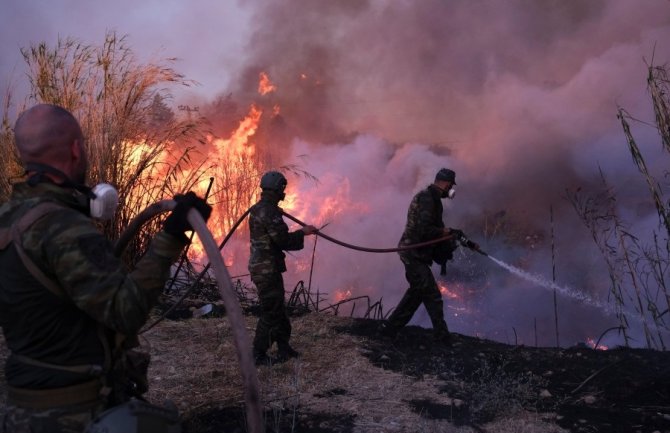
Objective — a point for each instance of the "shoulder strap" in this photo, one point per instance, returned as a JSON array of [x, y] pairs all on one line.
[[87, 369], [15, 232], [17, 229]]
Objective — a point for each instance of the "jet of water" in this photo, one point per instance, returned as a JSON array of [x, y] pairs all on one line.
[[550, 285]]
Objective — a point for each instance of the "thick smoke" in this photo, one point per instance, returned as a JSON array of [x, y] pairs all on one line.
[[519, 98]]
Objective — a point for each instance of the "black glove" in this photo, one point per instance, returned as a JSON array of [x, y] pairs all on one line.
[[472, 245], [456, 233], [176, 224]]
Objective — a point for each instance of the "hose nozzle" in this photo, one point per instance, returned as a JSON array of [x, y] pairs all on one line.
[[470, 244]]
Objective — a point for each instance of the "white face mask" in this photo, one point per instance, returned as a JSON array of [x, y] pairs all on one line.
[[103, 206], [452, 192]]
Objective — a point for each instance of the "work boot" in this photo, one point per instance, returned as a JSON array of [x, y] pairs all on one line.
[[285, 352], [386, 330]]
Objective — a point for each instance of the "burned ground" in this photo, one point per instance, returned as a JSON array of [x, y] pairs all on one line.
[[349, 379], [618, 390]]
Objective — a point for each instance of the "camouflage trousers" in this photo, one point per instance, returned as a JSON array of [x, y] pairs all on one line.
[[422, 289], [70, 419], [273, 324]]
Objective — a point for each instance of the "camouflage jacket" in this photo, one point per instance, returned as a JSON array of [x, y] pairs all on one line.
[[96, 288], [424, 223], [270, 236]]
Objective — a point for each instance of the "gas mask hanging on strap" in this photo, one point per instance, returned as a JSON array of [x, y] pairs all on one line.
[[100, 201], [104, 203]]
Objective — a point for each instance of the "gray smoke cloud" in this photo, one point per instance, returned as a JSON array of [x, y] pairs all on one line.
[[519, 98]]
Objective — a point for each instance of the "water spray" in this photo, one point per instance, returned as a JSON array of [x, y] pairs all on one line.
[[550, 285]]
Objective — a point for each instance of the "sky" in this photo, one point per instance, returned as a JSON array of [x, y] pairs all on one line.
[[518, 97], [206, 37]]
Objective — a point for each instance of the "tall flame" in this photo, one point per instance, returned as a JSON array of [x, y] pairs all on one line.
[[238, 144], [236, 171]]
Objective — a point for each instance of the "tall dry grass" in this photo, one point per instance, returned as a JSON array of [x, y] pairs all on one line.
[[637, 263], [134, 141], [10, 166]]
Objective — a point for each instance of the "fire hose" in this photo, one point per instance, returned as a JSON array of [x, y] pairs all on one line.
[[465, 241], [233, 309], [152, 211], [254, 414]]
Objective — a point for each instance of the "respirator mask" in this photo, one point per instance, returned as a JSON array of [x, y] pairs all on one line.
[[104, 202], [449, 193], [99, 202], [279, 193]]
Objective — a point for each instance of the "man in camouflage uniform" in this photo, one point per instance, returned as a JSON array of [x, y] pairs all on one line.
[[269, 238], [424, 223], [65, 299]]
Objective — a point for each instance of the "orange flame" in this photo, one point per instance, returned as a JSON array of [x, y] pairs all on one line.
[[592, 344], [291, 201], [136, 151], [446, 292], [341, 295], [236, 166], [330, 206], [232, 154], [135, 154], [238, 143], [265, 86]]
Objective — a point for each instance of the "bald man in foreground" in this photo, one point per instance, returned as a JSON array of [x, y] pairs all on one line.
[[68, 306]]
